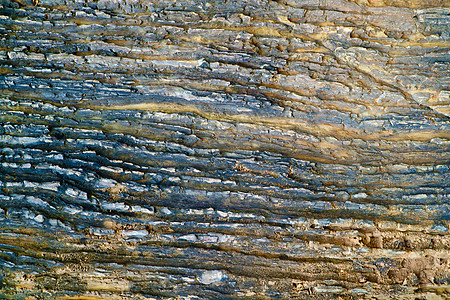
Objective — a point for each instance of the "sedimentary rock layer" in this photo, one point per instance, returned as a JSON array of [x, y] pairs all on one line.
[[224, 149]]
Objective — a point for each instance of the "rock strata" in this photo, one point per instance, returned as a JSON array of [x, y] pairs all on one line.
[[224, 149]]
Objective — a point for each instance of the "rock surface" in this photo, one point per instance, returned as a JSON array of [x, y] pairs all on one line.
[[224, 149]]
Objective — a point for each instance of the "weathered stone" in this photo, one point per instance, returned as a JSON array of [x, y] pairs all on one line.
[[222, 150]]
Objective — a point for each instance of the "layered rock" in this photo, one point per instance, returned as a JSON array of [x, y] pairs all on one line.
[[224, 149]]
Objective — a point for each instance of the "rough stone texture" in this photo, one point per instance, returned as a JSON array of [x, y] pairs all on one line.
[[224, 149]]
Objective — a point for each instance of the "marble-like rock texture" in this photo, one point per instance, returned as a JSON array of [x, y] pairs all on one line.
[[227, 149]]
